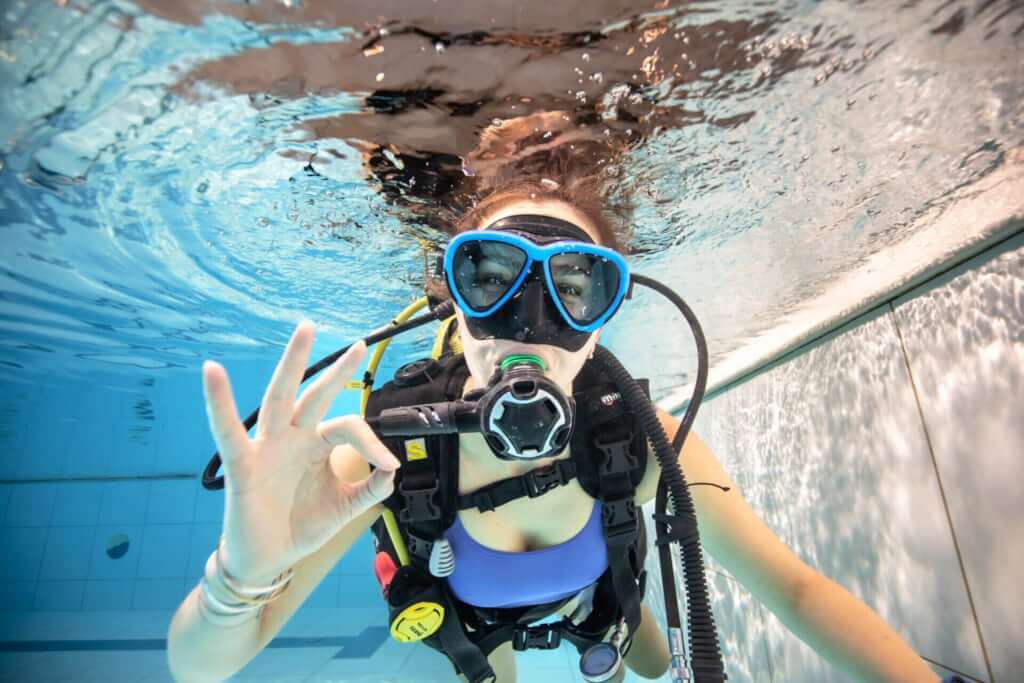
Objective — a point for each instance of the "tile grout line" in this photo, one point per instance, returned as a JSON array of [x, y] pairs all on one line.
[[942, 491], [950, 669], [42, 557]]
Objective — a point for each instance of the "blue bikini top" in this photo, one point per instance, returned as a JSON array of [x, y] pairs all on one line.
[[494, 578]]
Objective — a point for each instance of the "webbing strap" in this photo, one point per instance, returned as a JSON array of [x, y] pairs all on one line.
[[469, 659], [620, 522], [623, 580], [534, 483]]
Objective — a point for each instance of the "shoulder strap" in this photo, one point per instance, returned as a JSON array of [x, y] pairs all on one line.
[[428, 478], [610, 449]]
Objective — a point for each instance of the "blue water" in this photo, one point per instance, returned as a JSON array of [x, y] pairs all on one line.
[[186, 181]]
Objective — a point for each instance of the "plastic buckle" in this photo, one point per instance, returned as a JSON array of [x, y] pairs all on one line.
[[543, 479], [543, 637], [618, 458], [483, 501], [419, 504], [619, 519], [418, 546]]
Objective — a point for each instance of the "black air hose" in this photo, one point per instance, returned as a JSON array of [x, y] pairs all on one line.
[[705, 655]]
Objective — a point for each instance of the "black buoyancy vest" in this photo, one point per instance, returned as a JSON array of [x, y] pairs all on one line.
[[609, 457]]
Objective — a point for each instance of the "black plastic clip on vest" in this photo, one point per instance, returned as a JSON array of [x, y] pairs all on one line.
[[619, 516], [619, 519], [543, 637], [534, 483], [420, 503], [618, 456], [544, 479], [418, 546]]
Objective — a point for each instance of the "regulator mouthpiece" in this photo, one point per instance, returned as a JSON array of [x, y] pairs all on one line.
[[524, 415]]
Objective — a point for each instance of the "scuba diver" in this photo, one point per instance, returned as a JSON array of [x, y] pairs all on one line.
[[502, 478]]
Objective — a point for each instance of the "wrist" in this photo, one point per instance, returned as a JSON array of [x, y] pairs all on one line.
[[235, 576], [241, 594], [213, 608]]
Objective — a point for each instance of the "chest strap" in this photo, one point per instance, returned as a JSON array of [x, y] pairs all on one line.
[[534, 483]]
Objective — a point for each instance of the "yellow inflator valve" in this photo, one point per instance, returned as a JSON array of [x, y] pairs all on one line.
[[417, 621]]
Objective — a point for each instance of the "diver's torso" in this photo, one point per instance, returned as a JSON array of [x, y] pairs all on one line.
[[526, 523]]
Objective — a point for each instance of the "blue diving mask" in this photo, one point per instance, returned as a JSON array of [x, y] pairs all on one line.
[[534, 279]]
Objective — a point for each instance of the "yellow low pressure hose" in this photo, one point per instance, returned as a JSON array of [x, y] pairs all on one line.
[[367, 386]]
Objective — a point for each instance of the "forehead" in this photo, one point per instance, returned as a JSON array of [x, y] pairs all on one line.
[[546, 207]]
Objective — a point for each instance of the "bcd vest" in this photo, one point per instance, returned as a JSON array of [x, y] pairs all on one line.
[[609, 458]]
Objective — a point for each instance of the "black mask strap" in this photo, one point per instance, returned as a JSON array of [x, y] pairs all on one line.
[[547, 228]]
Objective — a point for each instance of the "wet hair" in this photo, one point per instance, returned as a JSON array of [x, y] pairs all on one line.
[[543, 157], [581, 171], [586, 202]]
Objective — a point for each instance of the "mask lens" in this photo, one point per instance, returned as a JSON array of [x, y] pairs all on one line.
[[586, 284], [484, 271]]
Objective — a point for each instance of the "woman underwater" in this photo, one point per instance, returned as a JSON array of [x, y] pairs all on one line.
[[301, 491]]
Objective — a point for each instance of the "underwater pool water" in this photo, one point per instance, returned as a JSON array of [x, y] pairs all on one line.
[[182, 181]]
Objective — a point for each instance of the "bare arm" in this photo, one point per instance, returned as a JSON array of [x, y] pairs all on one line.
[[839, 627], [199, 651], [851, 636]]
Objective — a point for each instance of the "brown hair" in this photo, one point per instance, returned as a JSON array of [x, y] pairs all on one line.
[[541, 157], [586, 201]]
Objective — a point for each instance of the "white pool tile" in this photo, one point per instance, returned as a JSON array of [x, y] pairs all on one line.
[[829, 450], [964, 336]]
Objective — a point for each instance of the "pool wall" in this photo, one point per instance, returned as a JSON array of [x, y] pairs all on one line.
[[887, 455]]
